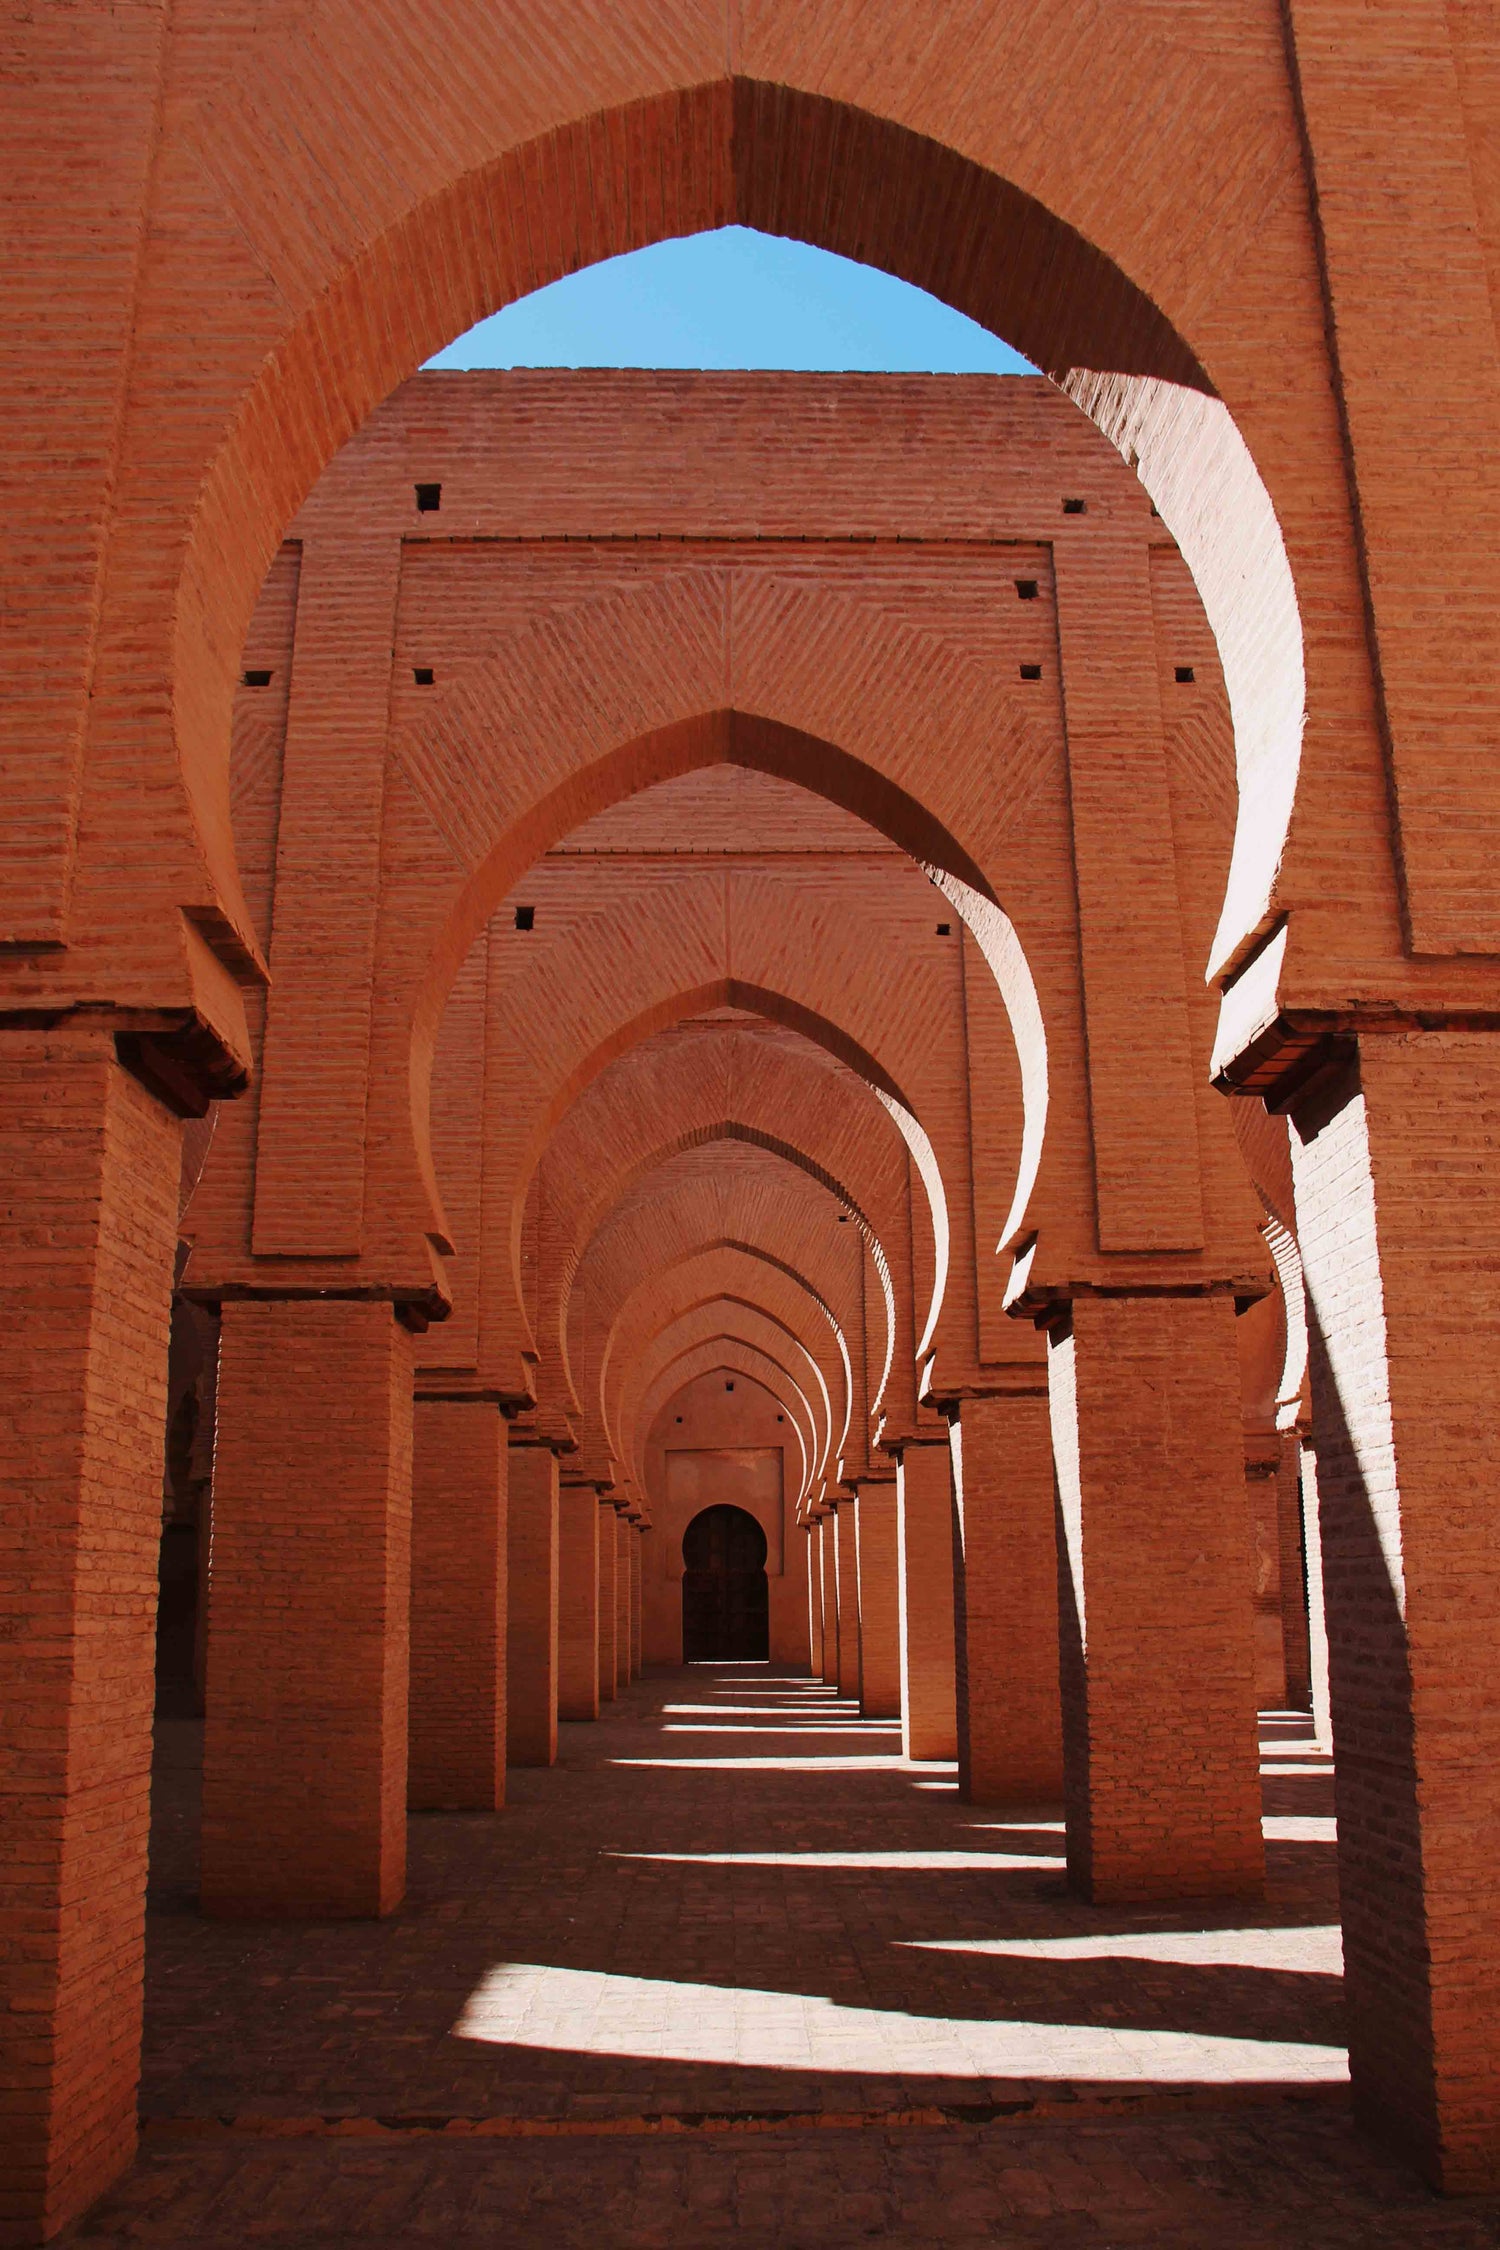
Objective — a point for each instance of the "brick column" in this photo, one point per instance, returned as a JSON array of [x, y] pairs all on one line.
[[608, 1606], [1295, 1636], [532, 1608], [624, 1671], [924, 1503], [878, 1566], [1399, 1226], [1163, 1786], [304, 1755], [636, 1659], [456, 1710], [1009, 1700], [828, 1579], [88, 1228], [578, 1602], [848, 1599], [815, 1598]]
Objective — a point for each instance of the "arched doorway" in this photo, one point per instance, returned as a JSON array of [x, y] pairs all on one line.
[[725, 1597]]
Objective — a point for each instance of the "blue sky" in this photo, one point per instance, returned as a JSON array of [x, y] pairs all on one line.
[[734, 298]]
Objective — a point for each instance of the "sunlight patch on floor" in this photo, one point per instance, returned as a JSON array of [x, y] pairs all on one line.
[[585, 2011], [937, 1863], [1317, 1950]]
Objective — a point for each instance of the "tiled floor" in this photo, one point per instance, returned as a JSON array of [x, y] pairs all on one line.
[[731, 1972]]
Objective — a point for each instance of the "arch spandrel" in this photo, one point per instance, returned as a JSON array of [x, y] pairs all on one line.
[[1185, 205]]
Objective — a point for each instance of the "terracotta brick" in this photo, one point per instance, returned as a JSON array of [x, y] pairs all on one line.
[[91, 1164], [532, 1581], [459, 1606], [304, 1778], [1009, 1700], [1146, 1433], [578, 1601], [924, 1507], [878, 1563]]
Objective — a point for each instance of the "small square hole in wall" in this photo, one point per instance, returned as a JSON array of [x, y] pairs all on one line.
[[679, 1417], [255, 677], [1184, 675], [1031, 671], [843, 1218], [525, 917], [781, 1417], [429, 499], [729, 1386], [422, 674], [1027, 589], [1075, 507], [945, 929]]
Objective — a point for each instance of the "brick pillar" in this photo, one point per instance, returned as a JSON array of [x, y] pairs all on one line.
[[623, 1537], [608, 1606], [924, 1504], [1295, 1636], [578, 1602], [532, 1608], [456, 1710], [88, 1227], [1009, 1701], [878, 1566], [1399, 1226], [1163, 1784], [848, 1599], [636, 1659], [815, 1597], [829, 1580], [304, 1755]]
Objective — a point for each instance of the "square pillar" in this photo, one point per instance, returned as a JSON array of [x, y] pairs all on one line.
[[304, 1753], [636, 1658], [609, 1605], [88, 1224], [578, 1602], [878, 1567], [829, 1581], [815, 1597], [1398, 1219], [1157, 1619], [848, 1599], [1010, 1748], [924, 1503], [456, 1710], [624, 1540], [532, 1611], [1296, 1638]]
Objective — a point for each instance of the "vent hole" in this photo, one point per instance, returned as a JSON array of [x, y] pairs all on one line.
[[254, 677], [422, 674], [1184, 675], [429, 499], [1026, 589], [1031, 671], [1075, 507], [945, 929], [729, 1386], [525, 917], [781, 1417], [679, 1417]]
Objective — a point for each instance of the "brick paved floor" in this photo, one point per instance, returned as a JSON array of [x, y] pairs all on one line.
[[731, 1972]]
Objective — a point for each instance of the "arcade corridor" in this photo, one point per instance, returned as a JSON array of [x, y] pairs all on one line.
[[773, 1985]]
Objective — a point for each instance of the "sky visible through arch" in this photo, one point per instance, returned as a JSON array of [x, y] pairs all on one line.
[[734, 298]]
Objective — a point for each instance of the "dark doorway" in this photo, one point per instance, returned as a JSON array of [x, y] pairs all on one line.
[[725, 1598]]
